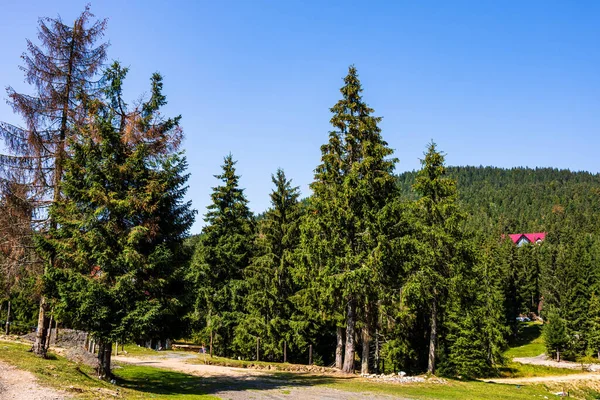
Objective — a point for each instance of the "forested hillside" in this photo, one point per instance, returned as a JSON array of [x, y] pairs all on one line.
[[521, 199], [372, 271], [559, 279]]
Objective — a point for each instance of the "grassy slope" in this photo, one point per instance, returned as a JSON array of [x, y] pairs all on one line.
[[529, 342]]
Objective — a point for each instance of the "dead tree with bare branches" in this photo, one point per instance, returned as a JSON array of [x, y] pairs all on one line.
[[63, 70]]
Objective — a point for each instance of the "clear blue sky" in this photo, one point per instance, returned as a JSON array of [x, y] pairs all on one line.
[[492, 84]]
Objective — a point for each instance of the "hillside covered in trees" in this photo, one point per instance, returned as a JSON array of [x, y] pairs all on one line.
[[372, 271], [521, 199]]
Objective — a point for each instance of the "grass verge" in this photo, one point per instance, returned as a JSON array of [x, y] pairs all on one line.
[[452, 389], [78, 380], [518, 370]]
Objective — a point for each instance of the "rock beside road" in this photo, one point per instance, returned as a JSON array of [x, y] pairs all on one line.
[[401, 377]]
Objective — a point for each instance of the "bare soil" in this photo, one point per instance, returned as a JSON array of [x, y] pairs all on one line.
[[22, 385]]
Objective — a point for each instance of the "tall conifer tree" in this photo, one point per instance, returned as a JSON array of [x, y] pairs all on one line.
[[269, 277], [62, 70], [592, 326], [120, 224], [352, 185], [441, 250], [224, 251]]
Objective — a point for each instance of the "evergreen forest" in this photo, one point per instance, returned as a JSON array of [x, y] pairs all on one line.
[[372, 271]]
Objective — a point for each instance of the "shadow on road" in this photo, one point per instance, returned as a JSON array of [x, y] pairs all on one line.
[[171, 382]]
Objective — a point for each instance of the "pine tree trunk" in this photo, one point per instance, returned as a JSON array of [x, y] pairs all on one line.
[[350, 332], [39, 347], [339, 348], [432, 337], [7, 330], [257, 349], [104, 356], [376, 351], [366, 342], [55, 332], [49, 334]]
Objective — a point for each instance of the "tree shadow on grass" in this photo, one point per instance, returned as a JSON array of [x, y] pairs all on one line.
[[528, 332], [164, 382]]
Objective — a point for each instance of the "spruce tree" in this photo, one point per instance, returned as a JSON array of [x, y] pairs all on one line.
[[223, 253], [593, 326], [352, 185], [555, 334], [62, 70], [490, 305], [443, 255], [466, 353], [473, 322], [119, 229], [16, 234], [269, 280]]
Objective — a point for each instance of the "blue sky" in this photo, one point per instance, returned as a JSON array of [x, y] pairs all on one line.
[[511, 84]]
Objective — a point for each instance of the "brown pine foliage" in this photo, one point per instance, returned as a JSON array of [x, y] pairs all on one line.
[[17, 253], [62, 69]]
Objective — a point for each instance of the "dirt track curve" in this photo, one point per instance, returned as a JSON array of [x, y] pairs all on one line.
[[22, 385], [242, 383]]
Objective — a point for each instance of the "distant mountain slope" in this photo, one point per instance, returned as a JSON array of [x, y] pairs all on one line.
[[522, 199]]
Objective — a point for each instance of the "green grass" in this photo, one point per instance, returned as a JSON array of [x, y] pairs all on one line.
[[529, 341], [154, 383], [137, 351], [472, 390], [133, 382], [452, 389], [518, 370]]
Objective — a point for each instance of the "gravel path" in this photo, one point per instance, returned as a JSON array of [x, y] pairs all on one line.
[[589, 373], [241, 383], [22, 385], [542, 359], [584, 376]]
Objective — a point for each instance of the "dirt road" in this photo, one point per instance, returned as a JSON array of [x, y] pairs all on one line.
[[241, 383], [542, 359], [21, 385], [585, 376], [588, 373]]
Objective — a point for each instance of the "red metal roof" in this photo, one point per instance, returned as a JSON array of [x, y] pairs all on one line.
[[532, 237]]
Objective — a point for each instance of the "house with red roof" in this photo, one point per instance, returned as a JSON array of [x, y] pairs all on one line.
[[526, 238]]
